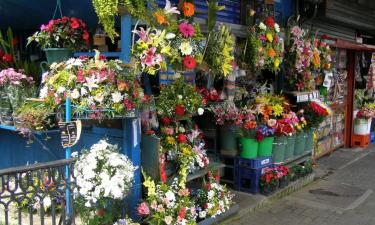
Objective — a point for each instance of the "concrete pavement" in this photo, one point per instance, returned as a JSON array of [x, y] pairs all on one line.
[[342, 195]]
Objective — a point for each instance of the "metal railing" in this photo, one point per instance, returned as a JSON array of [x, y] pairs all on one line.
[[36, 194]]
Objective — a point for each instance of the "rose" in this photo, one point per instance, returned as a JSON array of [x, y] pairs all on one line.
[[269, 21], [182, 138], [165, 120], [180, 110]]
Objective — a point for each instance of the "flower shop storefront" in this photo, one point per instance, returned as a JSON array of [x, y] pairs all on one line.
[[172, 115]]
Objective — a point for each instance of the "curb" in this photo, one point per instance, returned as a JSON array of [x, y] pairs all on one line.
[[292, 187]]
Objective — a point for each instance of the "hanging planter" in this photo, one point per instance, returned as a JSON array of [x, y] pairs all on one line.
[[278, 149], [58, 54], [289, 148], [249, 148], [299, 146]]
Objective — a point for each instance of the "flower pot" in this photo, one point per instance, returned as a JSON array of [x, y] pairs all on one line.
[[299, 146], [278, 149], [289, 148], [265, 147], [309, 144], [362, 126], [249, 148], [57, 54], [228, 140]]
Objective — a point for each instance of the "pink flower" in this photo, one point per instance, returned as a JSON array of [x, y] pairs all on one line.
[[297, 31], [149, 58], [186, 29], [80, 77], [169, 131], [262, 37], [143, 34], [143, 209], [128, 104]]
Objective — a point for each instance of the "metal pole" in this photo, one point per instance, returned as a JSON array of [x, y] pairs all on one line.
[[67, 156]]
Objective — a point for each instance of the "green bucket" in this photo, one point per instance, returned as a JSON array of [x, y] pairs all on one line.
[[57, 54], [289, 148], [228, 140], [265, 147], [309, 145], [249, 148], [299, 146], [278, 149]]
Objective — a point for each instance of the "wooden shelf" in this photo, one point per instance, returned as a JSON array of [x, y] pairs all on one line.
[[297, 160]]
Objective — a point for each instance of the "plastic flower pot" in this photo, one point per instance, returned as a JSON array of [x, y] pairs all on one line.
[[309, 145], [228, 140], [249, 148], [362, 126], [289, 148], [265, 147], [299, 146], [278, 149], [55, 55]]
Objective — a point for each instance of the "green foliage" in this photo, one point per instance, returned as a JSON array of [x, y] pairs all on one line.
[[359, 98], [213, 8], [33, 115]]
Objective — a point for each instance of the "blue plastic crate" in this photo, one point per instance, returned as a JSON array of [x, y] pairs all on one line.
[[372, 137], [247, 180], [256, 163]]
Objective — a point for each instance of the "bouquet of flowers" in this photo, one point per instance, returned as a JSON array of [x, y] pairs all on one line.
[[269, 180], [178, 100], [103, 177], [64, 32], [325, 55], [315, 112], [95, 86], [184, 145], [15, 87], [167, 204], [209, 95], [214, 199], [186, 48], [269, 106], [286, 126], [151, 49], [264, 131], [228, 114], [264, 46]]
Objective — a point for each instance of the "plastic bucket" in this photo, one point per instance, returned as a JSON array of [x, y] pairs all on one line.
[[289, 148], [265, 147], [228, 140], [299, 146], [362, 126], [57, 54], [309, 145], [249, 148], [278, 149]]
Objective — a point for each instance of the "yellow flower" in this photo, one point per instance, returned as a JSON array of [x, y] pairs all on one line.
[[170, 140], [277, 110], [298, 127], [269, 37], [276, 63], [150, 185]]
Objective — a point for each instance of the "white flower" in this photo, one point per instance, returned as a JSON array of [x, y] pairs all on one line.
[[75, 94], [181, 129], [210, 194], [83, 91], [60, 90], [91, 83], [170, 196], [262, 26], [168, 220], [74, 154], [186, 48], [117, 97], [47, 202], [168, 9], [200, 111], [202, 214], [277, 27], [43, 92], [99, 97], [170, 36]]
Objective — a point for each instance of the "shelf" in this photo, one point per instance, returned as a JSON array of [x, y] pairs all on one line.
[[13, 128], [203, 172], [296, 160]]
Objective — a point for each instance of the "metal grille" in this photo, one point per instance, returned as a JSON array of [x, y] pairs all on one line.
[[36, 194]]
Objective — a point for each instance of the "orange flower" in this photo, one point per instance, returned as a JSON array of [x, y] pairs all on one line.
[[316, 59], [271, 53], [189, 9], [250, 125], [160, 18]]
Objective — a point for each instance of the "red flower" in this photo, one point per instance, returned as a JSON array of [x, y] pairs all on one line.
[[85, 36], [181, 214], [208, 186], [180, 110], [259, 136], [165, 120], [75, 24], [325, 36], [14, 41], [182, 138], [205, 205], [189, 62], [146, 98], [102, 57], [8, 58], [269, 22], [209, 174], [128, 104]]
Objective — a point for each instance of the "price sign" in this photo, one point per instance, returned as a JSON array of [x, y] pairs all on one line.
[[70, 133]]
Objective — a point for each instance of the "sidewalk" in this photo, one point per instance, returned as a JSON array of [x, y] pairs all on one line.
[[342, 194]]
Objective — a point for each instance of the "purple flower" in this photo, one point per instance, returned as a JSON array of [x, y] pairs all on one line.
[[262, 37]]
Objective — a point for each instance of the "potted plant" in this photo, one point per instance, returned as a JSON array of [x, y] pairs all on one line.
[[284, 176], [363, 118], [15, 87], [269, 181], [286, 126], [98, 88], [60, 37], [248, 144]]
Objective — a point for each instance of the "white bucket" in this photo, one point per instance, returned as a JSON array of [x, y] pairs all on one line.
[[362, 126]]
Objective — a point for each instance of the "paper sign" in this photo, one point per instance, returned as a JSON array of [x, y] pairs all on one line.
[[70, 133]]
